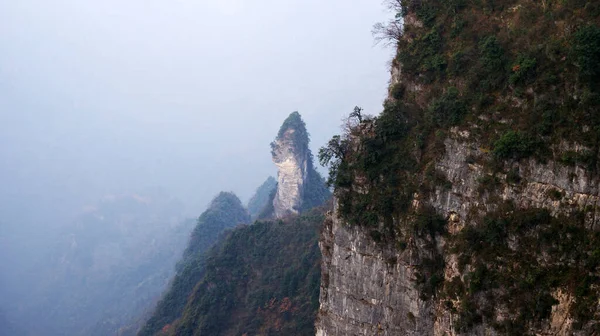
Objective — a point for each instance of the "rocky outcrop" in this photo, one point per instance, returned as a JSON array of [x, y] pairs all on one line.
[[362, 293], [299, 186], [375, 286], [369, 289], [292, 172]]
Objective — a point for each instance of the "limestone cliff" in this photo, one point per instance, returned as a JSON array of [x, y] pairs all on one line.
[[299, 185], [370, 289], [470, 206]]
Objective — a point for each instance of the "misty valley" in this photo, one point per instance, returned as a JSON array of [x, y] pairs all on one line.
[[153, 181], [132, 266]]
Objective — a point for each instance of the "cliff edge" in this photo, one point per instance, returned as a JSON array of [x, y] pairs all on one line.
[[470, 205]]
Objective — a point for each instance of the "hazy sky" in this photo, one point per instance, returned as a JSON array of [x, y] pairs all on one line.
[[114, 96]]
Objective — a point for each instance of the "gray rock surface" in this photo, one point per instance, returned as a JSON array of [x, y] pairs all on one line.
[[292, 163], [369, 289]]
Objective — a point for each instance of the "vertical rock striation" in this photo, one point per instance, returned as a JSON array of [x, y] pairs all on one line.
[[512, 209], [299, 186], [362, 293], [369, 289]]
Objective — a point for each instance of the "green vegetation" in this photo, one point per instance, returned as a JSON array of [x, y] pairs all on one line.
[[225, 211], [397, 91], [316, 192], [423, 56], [261, 279], [529, 255], [586, 51], [449, 109], [428, 224], [514, 145], [386, 156], [300, 136], [492, 62], [333, 156], [524, 71], [385, 165], [571, 158], [522, 84]]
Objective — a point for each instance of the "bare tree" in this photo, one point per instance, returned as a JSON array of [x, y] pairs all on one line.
[[357, 113], [353, 124], [394, 5], [390, 32]]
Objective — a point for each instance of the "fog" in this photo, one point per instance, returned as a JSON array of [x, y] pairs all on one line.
[[115, 97]]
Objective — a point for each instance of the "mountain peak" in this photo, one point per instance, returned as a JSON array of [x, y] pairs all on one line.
[[293, 121], [293, 131], [299, 186]]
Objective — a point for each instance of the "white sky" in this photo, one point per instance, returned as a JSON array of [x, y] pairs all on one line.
[[115, 96]]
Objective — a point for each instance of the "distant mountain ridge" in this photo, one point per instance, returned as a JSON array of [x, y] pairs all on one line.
[[261, 279], [258, 279], [262, 197], [224, 212], [106, 267]]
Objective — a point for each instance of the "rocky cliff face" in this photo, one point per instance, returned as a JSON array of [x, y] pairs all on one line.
[[361, 293], [370, 289], [299, 186], [292, 173], [455, 216]]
